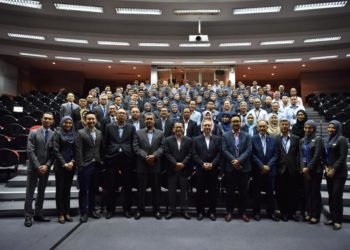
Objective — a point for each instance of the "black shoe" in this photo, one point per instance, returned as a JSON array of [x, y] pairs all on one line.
[[295, 217], [212, 217], [200, 216], [109, 215], [83, 218], [274, 217], [284, 217], [336, 226], [257, 217], [245, 218], [94, 215], [329, 223], [68, 218], [41, 218], [169, 215], [61, 219], [138, 215], [228, 217], [157, 215], [186, 215], [127, 214], [28, 221]]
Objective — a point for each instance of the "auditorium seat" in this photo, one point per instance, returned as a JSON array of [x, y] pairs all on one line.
[[30, 108], [346, 128], [341, 117], [4, 111], [5, 142], [37, 114], [9, 160], [14, 129], [7, 119], [19, 143], [27, 121]]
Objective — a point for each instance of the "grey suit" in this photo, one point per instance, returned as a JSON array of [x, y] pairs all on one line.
[[67, 108], [39, 153]]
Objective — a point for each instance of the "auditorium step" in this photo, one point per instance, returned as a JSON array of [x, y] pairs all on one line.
[[21, 180], [346, 198], [346, 212]]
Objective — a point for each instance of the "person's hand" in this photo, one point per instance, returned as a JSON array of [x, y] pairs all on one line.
[[179, 166], [305, 170], [151, 160], [265, 169], [330, 172], [206, 165], [236, 164], [42, 169]]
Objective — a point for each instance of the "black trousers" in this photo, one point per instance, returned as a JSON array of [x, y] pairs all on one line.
[[145, 179], [335, 187], [64, 179], [267, 183], [173, 180], [234, 180], [313, 200], [88, 177], [287, 193], [207, 180]]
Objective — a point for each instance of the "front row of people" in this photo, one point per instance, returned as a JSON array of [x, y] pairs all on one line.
[[275, 164]]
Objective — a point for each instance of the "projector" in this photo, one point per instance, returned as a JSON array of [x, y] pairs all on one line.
[[198, 38]]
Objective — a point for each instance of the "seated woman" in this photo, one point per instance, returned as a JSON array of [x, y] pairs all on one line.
[[273, 126], [250, 126]]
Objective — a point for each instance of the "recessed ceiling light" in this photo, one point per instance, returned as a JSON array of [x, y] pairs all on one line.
[[132, 11], [323, 57], [109, 66], [244, 76], [82, 8], [303, 65], [25, 36], [322, 39], [272, 74], [32, 55], [130, 61], [112, 43], [249, 67], [138, 75], [235, 44], [23, 3], [154, 45], [162, 62], [277, 42], [70, 40], [256, 61], [193, 45], [68, 58], [347, 55], [99, 60], [54, 63], [317, 6], [258, 10], [275, 67], [224, 62], [192, 62], [197, 12], [288, 60]]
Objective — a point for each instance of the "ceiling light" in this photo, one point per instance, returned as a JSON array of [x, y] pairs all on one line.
[[32, 55], [235, 44], [109, 66], [68, 58], [317, 6], [132, 11], [256, 61], [99, 60], [154, 45], [53, 63], [23, 3], [26, 36], [303, 65], [323, 57], [249, 67], [322, 39], [192, 62], [272, 74], [82, 8], [112, 43], [289, 60], [70, 40], [162, 62], [188, 45], [129, 61], [244, 76], [258, 10], [347, 55], [197, 12], [277, 42], [275, 67], [224, 62]]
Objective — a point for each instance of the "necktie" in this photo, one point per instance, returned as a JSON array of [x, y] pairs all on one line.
[[71, 107], [104, 110], [263, 142], [113, 120], [46, 135]]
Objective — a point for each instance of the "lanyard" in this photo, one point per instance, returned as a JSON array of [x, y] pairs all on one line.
[[285, 144], [306, 151]]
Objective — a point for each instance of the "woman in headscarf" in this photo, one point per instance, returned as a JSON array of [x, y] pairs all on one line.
[[298, 127], [311, 148], [273, 126], [63, 145], [250, 126], [225, 122], [174, 114], [336, 172]]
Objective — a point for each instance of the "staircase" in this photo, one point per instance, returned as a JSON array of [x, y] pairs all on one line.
[[322, 131]]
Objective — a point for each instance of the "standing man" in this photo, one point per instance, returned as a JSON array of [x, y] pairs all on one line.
[[76, 113], [264, 153], [258, 112], [88, 148], [148, 144], [111, 118], [40, 156], [136, 120], [101, 110], [237, 149], [68, 107], [178, 152], [164, 123], [190, 127], [118, 140]]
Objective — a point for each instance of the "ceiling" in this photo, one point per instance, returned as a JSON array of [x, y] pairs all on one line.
[[174, 29]]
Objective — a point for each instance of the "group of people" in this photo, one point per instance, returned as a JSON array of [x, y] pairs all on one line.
[[237, 132]]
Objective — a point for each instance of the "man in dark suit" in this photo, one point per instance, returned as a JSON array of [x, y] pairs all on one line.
[[190, 127], [178, 151], [288, 169], [111, 118], [90, 103], [264, 153], [40, 159], [148, 144], [88, 148], [164, 123], [68, 107], [101, 110], [118, 139], [76, 113], [237, 149], [206, 155], [136, 120]]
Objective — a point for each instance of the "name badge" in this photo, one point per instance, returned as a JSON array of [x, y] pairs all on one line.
[[304, 159]]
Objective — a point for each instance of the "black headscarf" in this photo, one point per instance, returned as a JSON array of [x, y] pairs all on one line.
[[338, 131], [68, 135], [298, 127]]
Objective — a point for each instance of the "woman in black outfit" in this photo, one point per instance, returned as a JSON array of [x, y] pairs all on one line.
[[64, 167], [311, 147], [298, 127], [336, 150]]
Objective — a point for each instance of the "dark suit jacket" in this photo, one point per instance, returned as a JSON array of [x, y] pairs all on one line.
[[141, 123], [246, 129], [39, 153], [142, 148], [173, 155], [66, 109], [99, 112], [259, 159], [76, 117], [315, 154], [245, 151], [63, 150], [192, 128], [336, 158], [85, 149], [288, 161], [168, 129], [201, 154], [92, 107], [104, 122]]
